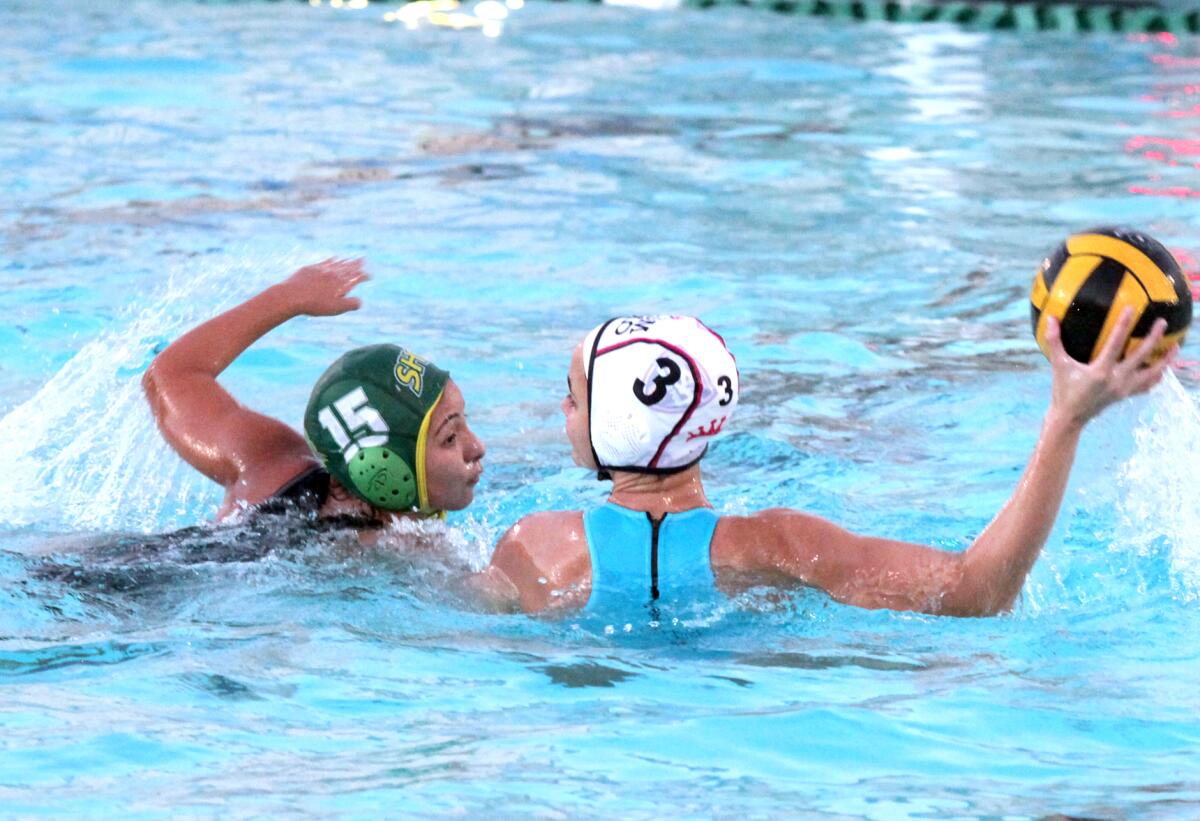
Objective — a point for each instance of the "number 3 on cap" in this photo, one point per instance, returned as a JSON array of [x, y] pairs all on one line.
[[669, 376]]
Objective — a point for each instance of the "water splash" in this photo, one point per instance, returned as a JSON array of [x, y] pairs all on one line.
[[462, 546], [83, 452], [1160, 502]]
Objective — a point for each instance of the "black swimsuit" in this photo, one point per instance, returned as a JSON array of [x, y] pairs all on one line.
[[139, 562], [306, 493]]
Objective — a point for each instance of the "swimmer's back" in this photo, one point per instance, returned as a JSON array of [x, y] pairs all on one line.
[[637, 559], [544, 561]]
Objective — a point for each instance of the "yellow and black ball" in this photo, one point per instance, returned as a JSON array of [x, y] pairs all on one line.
[[1093, 276]]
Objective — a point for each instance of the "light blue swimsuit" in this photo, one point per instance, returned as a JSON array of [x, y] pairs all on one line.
[[637, 562]]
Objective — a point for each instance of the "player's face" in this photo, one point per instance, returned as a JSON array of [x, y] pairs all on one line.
[[575, 408], [453, 453]]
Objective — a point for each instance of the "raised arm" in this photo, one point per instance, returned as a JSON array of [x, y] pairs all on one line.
[[987, 578], [251, 455]]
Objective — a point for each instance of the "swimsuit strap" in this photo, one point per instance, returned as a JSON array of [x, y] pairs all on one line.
[[307, 493]]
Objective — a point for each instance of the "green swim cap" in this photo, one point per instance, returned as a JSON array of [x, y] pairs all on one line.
[[368, 418]]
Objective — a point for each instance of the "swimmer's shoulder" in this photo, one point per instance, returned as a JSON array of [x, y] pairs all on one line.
[[544, 556], [768, 539], [271, 476]]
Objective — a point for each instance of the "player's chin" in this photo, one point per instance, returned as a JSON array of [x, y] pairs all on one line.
[[583, 460], [463, 498]]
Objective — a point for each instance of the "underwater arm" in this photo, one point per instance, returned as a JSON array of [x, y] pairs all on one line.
[[493, 591], [541, 563], [509, 582], [203, 422], [987, 578]]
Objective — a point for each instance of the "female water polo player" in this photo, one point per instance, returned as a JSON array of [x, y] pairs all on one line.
[[385, 431], [647, 395]]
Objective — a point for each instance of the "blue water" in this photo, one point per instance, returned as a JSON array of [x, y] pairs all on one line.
[[857, 208]]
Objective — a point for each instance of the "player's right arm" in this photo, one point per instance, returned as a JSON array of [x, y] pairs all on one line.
[[987, 578], [246, 452]]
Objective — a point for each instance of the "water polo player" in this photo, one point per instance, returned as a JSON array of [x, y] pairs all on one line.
[[647, 395], [385, 431]]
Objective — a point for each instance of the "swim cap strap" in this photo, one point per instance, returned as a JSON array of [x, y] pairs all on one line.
[[422, 475], [601, 473]]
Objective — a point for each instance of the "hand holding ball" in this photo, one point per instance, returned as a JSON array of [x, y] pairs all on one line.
[[1092, 277]]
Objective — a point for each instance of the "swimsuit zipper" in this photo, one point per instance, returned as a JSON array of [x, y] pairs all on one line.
[[654, 526]]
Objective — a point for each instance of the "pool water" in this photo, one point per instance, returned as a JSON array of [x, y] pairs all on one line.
[[858, 209]]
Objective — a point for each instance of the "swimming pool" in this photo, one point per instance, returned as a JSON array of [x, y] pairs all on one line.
[[857, 208]]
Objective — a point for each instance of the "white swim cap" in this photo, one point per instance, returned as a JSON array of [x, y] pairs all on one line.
[[660, 388]]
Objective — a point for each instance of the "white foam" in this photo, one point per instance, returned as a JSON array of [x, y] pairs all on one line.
[[1160, 483]]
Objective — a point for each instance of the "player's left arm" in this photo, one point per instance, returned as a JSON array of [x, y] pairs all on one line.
[[533, 568]]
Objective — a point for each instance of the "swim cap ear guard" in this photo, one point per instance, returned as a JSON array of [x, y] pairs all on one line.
[[368, 419], [660, 388]]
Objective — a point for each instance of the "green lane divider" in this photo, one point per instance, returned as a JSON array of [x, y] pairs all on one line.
[[1016, 16], [987, 15], [1104, 16]]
